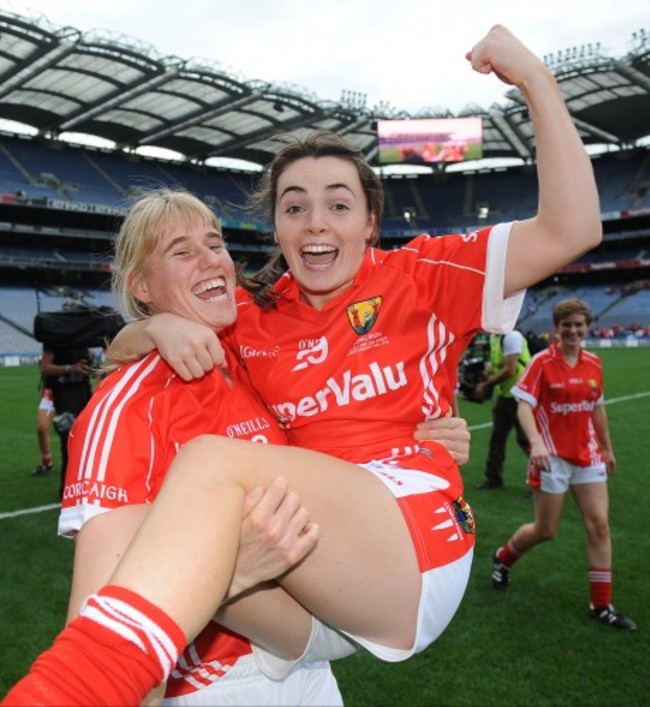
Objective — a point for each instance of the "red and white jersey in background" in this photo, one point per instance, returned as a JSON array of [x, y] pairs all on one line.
[[353, 378], [564, 399], [120, 449]]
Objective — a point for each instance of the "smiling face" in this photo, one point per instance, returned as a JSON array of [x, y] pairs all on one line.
[[189, 273], [323, 225], [571, 331]]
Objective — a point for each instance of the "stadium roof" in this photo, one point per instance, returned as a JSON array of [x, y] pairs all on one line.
[[57, 79]]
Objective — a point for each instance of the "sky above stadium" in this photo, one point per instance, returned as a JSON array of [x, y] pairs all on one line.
[[408, 53]]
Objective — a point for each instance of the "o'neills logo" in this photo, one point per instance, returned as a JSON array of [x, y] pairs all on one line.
[[246, 428], [363, 315], [251, 352], [349, 388]]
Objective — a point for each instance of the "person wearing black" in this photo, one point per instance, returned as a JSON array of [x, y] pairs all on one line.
[[66, 371], [509, 356]]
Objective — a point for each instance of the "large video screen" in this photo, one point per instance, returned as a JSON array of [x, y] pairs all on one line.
[[430, 140]]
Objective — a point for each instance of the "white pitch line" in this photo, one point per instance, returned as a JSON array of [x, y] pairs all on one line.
[[26, 511], [472, 428], [623, 398]]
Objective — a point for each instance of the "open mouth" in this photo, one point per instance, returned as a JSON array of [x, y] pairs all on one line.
[[211, 290], [319, 256]]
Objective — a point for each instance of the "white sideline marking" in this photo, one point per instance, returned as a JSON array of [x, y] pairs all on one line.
[[25, 511], [51, 506], [623, 398]]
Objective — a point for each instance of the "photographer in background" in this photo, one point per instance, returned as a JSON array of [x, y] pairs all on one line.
[[67, 362], [66, 371], [509, 355], [472, 369]]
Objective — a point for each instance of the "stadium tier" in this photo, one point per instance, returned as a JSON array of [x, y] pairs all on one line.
[[60, 206], [61, 203], [60, 176]]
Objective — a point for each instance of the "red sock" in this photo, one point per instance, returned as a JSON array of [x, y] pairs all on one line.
[[115, 652], [46, 459], [600, 586], [509, 554]]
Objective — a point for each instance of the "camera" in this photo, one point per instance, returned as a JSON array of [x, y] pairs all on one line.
[[63, 422], [472, 369], [470, 374]]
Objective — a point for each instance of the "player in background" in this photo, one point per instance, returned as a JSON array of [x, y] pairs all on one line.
[[67, 374], [44, 415], [560, 399]]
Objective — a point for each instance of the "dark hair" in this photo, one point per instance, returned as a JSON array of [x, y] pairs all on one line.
[[321, 143]]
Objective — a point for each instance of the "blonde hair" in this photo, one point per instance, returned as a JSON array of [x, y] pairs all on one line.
[[148, 220], [566, 307]]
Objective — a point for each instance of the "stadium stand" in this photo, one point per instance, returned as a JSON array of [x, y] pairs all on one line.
[[61, 204], [629, 311], [14, 342]]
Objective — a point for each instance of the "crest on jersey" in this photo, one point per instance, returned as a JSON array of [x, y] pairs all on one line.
[[464, 515], [593, 385], [363, 315]]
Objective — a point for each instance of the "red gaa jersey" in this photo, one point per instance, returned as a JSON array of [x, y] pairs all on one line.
[[354, 378], [121, 447], [564, 399]]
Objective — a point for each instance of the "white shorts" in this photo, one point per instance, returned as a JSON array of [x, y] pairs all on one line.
[[47, 401], [563, 474], [442, 527], [305, 684]]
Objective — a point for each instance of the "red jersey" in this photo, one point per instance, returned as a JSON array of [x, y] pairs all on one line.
[[564, 399], [354, 378], [121, 447]]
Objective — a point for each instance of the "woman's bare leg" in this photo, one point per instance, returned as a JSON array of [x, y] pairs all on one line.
[[43, 422], [362, 577], [593, 502], [548, 513]]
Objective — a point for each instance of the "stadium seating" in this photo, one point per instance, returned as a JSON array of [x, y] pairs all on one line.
[[77, 180], [92, 176], [536, 314], [631, 309], [623, 180], [15, 343], [439, 202]]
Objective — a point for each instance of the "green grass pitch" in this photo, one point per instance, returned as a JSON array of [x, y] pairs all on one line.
[[532, 645]]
